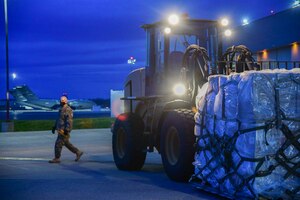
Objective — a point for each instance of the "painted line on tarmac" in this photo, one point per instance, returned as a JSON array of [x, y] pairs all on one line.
[[30, 159]]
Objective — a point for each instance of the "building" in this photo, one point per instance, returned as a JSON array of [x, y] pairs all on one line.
[[274, 38]]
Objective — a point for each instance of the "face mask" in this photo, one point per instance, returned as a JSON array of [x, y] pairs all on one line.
[[62, 103]]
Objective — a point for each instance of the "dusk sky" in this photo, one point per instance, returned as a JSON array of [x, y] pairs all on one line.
[[81, 47]]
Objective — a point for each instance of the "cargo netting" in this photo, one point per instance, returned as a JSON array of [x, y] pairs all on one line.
[[248, 134]]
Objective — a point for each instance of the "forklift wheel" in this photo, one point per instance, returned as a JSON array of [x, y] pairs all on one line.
[[127, 142], [177, 144]]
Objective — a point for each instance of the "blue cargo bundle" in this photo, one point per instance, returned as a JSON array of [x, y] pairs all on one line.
[[248, 134]]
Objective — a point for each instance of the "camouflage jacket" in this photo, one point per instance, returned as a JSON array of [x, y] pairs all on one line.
[[64, 123]]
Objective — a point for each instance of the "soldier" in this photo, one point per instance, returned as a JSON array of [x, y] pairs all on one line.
[[63, 126]]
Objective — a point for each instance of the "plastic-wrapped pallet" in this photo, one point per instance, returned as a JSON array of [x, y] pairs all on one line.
[[249, 144], [280, 180], [212, 91], [256, 104], [225, 106], [206, 108]]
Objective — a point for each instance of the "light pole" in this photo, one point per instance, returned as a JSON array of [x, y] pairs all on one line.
[[7, 126], [7, 60]]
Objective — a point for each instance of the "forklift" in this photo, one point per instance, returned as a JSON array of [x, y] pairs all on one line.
[[160, 99]]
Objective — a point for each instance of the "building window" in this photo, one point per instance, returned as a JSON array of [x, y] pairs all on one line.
[[295, 51]]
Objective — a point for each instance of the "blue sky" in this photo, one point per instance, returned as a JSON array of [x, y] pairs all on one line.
[[81, 47]]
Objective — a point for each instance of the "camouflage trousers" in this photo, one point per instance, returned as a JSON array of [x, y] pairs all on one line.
[[63, 141]]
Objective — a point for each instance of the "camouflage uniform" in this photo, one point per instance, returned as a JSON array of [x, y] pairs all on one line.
[[64, 126]]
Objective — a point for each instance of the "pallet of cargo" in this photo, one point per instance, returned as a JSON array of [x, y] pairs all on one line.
[[248, 134]]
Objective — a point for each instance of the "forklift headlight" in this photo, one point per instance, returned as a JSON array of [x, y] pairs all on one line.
[[173, 19], [179, 89], [167, 30]]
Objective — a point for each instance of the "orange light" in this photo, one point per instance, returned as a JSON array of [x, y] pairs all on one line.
[[265, 54], [295, 50]]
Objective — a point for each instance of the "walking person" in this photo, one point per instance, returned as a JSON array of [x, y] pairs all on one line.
[[63, 126]]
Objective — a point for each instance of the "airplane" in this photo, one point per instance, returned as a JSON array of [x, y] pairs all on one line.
[[25, 97]]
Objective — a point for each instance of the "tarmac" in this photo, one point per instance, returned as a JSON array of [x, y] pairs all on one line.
[[26, 174]]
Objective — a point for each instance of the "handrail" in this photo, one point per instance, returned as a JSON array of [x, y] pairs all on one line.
[[260, 65]]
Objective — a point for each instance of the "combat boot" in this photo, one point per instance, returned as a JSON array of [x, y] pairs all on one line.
[[78, 155], [54, 160]]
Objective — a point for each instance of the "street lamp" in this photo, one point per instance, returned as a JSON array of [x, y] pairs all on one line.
[[7, 60], [296, 3], [7, 125], [14, 76], [245, 21]]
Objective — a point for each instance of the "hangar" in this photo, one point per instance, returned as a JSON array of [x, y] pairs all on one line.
[[274, 40]]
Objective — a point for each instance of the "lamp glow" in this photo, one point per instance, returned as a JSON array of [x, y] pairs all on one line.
[[14, 76], [296, 3], [179, 89], [245, 21]]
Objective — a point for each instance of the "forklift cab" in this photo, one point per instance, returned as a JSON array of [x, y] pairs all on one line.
[[166, 45]]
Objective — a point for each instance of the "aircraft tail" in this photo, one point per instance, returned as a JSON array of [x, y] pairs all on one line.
[[23, 93]]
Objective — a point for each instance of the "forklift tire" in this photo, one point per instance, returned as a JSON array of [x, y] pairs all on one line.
[[177, 144], [127, 142]]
